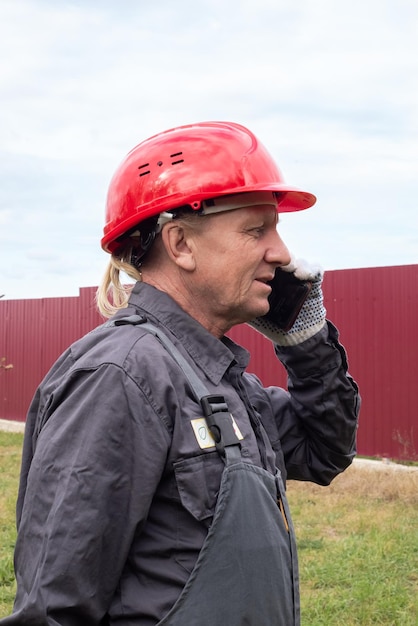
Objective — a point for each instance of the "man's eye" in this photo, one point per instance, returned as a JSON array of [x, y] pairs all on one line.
[[256, 231]]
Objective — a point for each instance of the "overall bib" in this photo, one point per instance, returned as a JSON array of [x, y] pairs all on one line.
[[246, 573]]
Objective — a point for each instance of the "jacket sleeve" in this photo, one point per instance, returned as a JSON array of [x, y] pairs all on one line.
[[317, 422], [94, 469]]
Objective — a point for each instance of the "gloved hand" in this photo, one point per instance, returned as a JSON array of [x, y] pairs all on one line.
[[311, 317]]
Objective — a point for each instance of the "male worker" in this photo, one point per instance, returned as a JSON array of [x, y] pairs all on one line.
[[152, 486]]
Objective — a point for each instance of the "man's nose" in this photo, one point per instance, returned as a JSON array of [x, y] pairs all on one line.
[[277, 252]]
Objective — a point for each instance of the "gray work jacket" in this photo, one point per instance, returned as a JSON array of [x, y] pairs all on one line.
[[117, 488]]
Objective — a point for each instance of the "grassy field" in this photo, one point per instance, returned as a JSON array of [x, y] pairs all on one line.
[[358, 548], [10, 454], [358, 544]]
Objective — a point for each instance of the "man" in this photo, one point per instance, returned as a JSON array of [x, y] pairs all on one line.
[[152, 485]]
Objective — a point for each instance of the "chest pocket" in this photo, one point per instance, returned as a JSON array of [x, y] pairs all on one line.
[[198, 480]]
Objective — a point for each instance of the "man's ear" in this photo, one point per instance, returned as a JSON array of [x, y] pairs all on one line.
[[177, 245]]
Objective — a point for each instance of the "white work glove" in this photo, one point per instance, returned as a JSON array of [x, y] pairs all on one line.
[[311, 317]]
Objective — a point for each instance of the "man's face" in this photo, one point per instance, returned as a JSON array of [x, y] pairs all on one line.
[[237, 253]]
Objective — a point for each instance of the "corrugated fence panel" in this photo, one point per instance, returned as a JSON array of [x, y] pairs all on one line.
[[375, 310], [33, 333], [13, 383]]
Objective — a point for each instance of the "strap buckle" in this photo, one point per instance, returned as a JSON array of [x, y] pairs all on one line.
[[219, 421]]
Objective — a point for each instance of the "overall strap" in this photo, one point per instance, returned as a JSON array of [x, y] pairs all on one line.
[[214, 406]]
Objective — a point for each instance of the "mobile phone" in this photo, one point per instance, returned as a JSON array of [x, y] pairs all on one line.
[[286, 299]]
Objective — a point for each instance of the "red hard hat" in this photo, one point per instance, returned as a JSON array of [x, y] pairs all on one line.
[[189, 164]]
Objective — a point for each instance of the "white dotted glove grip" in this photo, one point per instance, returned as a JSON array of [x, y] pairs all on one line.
[[311, 317]]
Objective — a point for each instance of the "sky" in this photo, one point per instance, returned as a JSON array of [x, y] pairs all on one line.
[[329, 87]]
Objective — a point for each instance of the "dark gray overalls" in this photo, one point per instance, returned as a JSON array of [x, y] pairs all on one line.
[[246, 573]]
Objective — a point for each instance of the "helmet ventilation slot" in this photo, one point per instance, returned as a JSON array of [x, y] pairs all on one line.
[[140, 167], [177, 161]]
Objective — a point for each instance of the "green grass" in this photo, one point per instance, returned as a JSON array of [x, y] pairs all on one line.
[[10, 455], [358, 544], [358, 548]]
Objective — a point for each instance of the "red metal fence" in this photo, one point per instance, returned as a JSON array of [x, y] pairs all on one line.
[[375, 309]]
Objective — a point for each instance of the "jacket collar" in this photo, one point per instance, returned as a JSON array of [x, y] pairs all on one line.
[[212, 355]]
